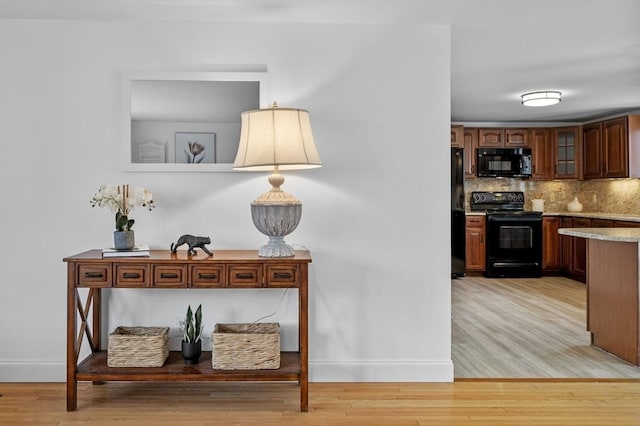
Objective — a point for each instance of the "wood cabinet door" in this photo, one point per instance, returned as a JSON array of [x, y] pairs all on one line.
[[475, 244], [541, 155], [592, 151], [470, 138], [457, 137], [551, 249], [579, 257], [490, 138], [566, 152], [615, 148], [601, 223], [567, 245], [516, 138]]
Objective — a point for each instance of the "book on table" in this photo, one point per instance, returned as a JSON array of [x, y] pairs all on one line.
[[139, 250]]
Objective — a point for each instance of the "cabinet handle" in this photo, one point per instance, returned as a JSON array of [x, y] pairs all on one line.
[[245, 276], [282, 275], [168, 275], [93, 275], [131, 275], [207, 276]]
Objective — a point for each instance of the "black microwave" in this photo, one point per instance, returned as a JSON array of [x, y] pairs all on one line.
[[504, 162]]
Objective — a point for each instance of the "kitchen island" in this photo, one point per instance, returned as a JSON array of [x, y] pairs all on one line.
[[613, 314]]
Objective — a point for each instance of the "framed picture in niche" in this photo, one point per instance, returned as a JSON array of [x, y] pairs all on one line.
[[195, 148]]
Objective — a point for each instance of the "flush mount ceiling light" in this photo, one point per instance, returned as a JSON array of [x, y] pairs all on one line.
[[540, 99]]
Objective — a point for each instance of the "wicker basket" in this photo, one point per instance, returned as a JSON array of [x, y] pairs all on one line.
[[246, 346], [138, 347]]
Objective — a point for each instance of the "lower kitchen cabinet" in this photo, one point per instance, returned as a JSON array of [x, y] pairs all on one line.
[[566, 247], [551, 245], [475, 243], [579, 251]]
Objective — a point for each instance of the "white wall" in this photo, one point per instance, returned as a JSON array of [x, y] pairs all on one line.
[[379, 103]]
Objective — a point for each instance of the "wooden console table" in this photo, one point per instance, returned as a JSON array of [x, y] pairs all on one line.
[[163, 269]]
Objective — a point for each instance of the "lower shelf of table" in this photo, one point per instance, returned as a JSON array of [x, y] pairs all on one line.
[[94, 368]]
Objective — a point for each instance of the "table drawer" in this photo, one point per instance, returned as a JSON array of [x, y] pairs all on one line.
[[170, 276], [131, 275], [246, 275], [94, 275], [283, 276], [207, 276]]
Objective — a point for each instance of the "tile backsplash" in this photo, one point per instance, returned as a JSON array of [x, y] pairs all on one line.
[[596, 195]]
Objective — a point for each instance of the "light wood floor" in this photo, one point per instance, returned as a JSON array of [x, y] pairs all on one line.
[[361, 404], [527, 328]]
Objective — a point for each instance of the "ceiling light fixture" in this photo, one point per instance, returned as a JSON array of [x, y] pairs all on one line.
[[540, 99]]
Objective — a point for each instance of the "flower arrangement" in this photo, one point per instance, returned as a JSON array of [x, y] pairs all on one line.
[[121, 199]]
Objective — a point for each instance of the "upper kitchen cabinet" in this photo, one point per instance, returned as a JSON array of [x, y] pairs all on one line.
[[470, 145], [457, 136], [541, 154], [567, 149], [501, 138], [611, 148]]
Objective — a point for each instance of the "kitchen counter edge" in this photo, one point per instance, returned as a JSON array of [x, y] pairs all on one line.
[[631, 235]]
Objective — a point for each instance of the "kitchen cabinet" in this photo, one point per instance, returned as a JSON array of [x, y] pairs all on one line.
[[566, 247], [602, 223], [592, 157], [610, 148], [541, 154], [567, 152], [615, 148], [503, 138], [470, 145], [625, 224], [457, 136], [579, 251], [551, 245], [475, 243]]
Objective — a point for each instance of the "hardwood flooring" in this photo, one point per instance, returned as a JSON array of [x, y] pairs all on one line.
[[526, 328], [350, 404]]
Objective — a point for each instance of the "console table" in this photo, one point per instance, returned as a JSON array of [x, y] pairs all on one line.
[[163, 269]]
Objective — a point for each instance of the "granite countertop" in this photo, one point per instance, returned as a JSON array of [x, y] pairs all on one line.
[[605, 234]]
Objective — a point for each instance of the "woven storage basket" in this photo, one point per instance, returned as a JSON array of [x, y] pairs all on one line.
[[138, 347], [246, 346]]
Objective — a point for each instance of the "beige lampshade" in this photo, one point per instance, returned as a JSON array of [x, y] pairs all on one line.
[[275, 136]]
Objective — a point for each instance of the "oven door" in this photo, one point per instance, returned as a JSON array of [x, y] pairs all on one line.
[[514, 245]]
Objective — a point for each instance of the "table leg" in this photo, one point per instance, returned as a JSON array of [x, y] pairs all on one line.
[[303, 336], [72, 384]]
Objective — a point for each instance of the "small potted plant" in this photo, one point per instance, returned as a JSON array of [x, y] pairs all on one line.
[[191, 337], [121, 199]]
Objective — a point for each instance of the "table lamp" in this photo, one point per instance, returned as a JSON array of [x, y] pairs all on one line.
[[276, 139]]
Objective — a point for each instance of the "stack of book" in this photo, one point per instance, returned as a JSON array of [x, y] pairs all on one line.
[[139, 250]]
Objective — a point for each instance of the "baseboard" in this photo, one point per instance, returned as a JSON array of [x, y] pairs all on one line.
[[381, 371], [32, 371], [319, 371]]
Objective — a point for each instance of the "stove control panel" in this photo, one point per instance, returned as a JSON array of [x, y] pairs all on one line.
[[497, 201]]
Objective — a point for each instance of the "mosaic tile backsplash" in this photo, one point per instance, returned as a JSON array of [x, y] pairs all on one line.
[[597, 195]]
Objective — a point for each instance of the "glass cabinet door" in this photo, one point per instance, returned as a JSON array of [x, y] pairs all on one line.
[[567, 153]]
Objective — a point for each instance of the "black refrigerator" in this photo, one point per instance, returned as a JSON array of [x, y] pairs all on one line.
[[457, 213]]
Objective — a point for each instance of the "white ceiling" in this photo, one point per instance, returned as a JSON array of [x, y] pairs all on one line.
[[589, 50]]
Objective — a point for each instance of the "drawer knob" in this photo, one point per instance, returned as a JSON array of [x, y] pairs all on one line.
[[93, 275], [168, 275]]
